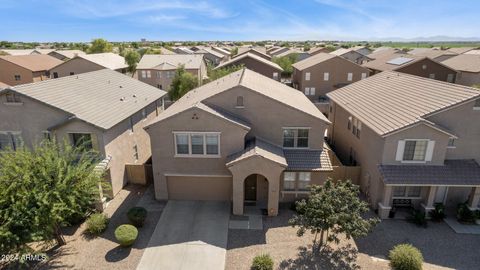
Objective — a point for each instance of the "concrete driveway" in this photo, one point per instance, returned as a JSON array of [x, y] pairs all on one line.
[[189, 235]]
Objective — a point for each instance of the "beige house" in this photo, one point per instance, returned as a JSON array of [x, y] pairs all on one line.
[[241, 138], [433, 53], [468, 67], [256, 63], [323, 73], [256, 52], [65, 55], [105, 109], [89, 62], [317, 50], [416, 140], [353, 54], [21, 69], [212, 57], [159, 69]]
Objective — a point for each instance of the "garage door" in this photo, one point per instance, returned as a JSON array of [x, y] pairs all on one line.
[[199, 188]]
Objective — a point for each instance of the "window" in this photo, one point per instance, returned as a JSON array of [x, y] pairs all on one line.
[[72, 73], [326, 76], [144, 73], [149, 74], [159, 74], [432, 76], [407, 192], [197, 144], [352, 157], [240, 102], [349, 76], [476, 106], [289, 180], [364, 75], [18, 77], [12, 97], [275, 75], [451, 143], [295, 138], [307, 76], [55, 75], [354, 129], [170, 74], [130, 122], [10, 140], [309, 91], [144, 114], [424, 67], [349, 125], [83, 140], [450, 78], [415, 150], [359, 128], [135, 152], [303, 180]]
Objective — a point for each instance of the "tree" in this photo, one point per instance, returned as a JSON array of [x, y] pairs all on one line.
[[214, 74], [132, 58], [100, 45], [234, 51], [182, 83], [332, 209], [42, 190], [286, 63]]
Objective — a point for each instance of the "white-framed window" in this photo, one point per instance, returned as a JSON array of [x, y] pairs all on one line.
[[307, 76], [144, 74], [10, 140], [406, 192], [240, 103], [12, 97], [451, 143], [450, 78], [415, 150], [149, 74], [295, 137], [326, 76], [159, 74], [275, 75], [170, 74], [432, 76], [349, 76], [309, 91], [304, 179], [289, 181], [197, 144], [355, 124], [364, 75], [359, 128], [349, 124], [476, 105], [144, 114], [424, 67]]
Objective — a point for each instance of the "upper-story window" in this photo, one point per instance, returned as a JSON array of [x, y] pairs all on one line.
[[144, 114], [240, 103], [307, 76], [170, 74], [144, 73], [18, 77], [309, 91], [275, 75], [10, 140], [83, 140], [349, 124], [450, 78], [432, 76], [326, 76], [476, 106], [12, 97], [55, 75], [159, 74], [349, 76], [197, 144], [364, 75], [451, 143], [295, 137], [149, 74], [72, 73], [415, 150]]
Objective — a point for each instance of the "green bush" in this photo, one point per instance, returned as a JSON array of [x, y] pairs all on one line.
[[262, 262], [97, 223], [405, 257], [137, 216], [418, 218], [438, 214], [464, 214], [126, 234]]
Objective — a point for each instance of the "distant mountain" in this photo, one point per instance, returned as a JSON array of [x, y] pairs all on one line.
[[428, 39]]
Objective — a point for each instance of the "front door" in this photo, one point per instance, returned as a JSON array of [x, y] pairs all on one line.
[[251, 188]]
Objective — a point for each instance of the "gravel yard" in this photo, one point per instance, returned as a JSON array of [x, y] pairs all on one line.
[[82, 252]]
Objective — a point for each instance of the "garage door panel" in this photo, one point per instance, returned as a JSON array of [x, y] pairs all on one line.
[[199, 188]]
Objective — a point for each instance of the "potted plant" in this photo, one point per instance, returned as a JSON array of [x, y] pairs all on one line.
[[464, 214], [392, 212], [438, 214]]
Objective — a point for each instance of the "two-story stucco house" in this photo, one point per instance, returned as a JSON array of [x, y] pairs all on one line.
[[104, 109], [241, 138], [21, 69], [81, 63], [416, 140], [256, 63]]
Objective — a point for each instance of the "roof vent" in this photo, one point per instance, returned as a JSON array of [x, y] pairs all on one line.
[[120, 86], [134, 96], [122, 99]]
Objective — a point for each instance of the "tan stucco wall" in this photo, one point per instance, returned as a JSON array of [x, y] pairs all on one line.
[[441, 72], [338, 69], [8, 71], [76, 65], [164, 82], [468, 78]]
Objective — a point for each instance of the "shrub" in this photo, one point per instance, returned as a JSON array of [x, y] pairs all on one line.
[[262, 262], [97, 223], [137, 216], [417, 217], [405, 257], [464, 214], [438, 214], [126, 235]]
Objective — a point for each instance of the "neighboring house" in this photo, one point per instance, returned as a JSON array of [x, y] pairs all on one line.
[[256, 63], [317, 50], [223, 51], [164, 50], [211, 56], [352, 55], [183, 50], [411, 64], [322, 73], [159, 69], [244, 49], [383, 52], [65, 55], [277, 51], [432, 53], [21, 69], [301, 55], [89, 62], [476, 52], [256, 52], [241, 138], [461, 50], [3, 85], [415, 139], [17, 52], [468, 67], [105, 110]]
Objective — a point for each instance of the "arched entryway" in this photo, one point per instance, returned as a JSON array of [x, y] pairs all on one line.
[[256, 190]]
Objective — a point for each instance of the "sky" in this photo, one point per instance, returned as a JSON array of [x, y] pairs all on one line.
[[204, 20]]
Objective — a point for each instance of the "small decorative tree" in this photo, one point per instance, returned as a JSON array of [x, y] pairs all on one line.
[[132, 58], [330, 210], [182, 83], [100, 45]]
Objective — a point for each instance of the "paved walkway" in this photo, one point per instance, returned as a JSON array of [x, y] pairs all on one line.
[[462, 228], [189, 235]]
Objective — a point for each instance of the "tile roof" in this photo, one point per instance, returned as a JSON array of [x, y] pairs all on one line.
[[315, 49], [308, 160], [461, 50], [69, 53], [266, 56], [251, 80], [3, 85], [476, 52], [108, 60], [164, 50], [382, 52], [431, 53], [389, 101], [221, 50], [319, 58], [33, 62], [210, 51], [18, 51], [259, 148], [289, 51], [170, 61], [453, 172], [464, 62], [382, 62], [94, 97], [252, 56]]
